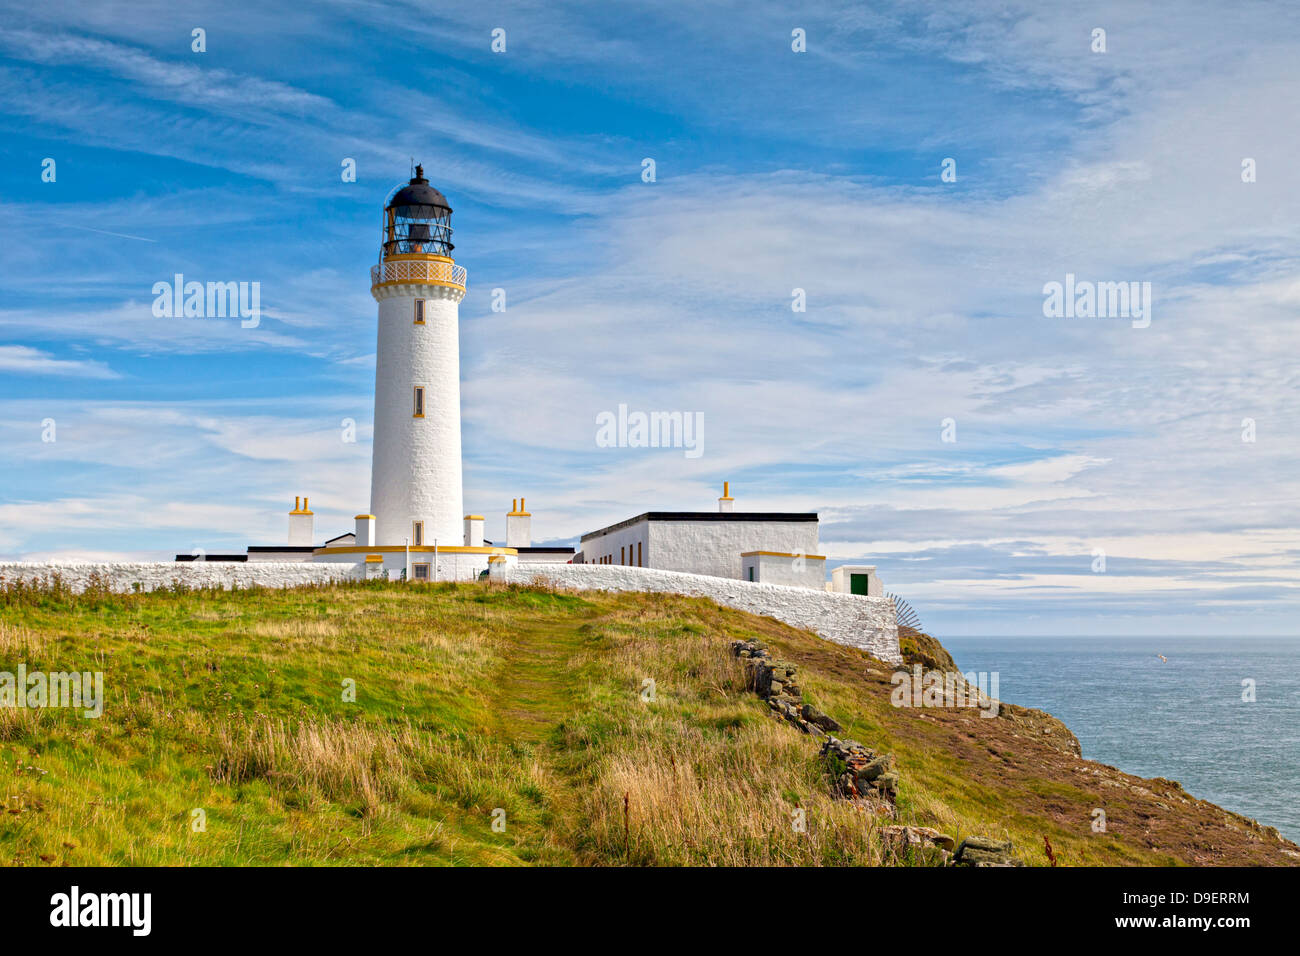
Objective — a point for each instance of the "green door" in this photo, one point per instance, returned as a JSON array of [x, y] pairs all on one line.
[[858, 583]]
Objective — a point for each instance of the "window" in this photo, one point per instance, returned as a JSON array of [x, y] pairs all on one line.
[[420, 572], [638, 555], [419, 402], [417, 534], [621, 560], [419, 312]]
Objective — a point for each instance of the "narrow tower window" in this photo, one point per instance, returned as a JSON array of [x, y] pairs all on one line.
[[419, 401], [417, 534], [419, 312]]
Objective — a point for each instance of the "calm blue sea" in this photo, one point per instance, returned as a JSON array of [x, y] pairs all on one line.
[[1182, 719]]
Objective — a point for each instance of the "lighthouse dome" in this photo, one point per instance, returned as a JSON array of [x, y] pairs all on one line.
[[417, 220], [419, 200]]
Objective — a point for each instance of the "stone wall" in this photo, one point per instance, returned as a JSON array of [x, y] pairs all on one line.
[[151, 575], [849, 619]]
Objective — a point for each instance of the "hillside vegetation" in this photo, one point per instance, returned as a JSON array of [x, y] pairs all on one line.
[[472, 699]]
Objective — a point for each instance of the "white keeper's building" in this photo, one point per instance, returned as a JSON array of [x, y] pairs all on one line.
[[416, 525]]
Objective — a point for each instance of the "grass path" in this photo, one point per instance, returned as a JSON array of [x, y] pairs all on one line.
[[536, 686]]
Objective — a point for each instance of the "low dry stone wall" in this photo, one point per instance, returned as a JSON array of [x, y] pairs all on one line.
[[861, 774], [155, 575], [851, 619]]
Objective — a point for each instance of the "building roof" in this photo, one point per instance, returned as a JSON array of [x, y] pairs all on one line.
[[546, 550], [706, 516], [213, 557], [263, 548]]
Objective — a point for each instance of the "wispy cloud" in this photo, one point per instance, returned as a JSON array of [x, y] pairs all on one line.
[[21, 360]]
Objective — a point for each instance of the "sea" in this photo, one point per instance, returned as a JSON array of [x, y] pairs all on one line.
[[1177, 708]]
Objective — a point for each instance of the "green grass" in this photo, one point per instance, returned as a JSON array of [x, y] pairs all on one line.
[[470, 699]]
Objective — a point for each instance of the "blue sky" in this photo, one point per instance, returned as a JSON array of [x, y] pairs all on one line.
[[775, 170]]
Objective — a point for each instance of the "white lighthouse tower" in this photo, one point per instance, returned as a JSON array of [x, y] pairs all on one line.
[[416, 503], [415, 476]]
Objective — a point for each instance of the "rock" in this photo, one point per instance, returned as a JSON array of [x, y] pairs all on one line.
[[877, 767], [987, 844], [922, 844], [982, 851], [815, 716], [887, 783]]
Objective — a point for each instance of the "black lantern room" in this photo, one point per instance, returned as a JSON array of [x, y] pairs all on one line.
[[417, 220]]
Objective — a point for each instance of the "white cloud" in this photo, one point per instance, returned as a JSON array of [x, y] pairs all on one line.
[[21, 360]]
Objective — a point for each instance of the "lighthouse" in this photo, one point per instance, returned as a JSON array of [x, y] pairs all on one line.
[[417, 525], [415, 472]]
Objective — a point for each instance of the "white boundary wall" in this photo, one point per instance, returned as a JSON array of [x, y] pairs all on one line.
[[153, 575], [865, 622]]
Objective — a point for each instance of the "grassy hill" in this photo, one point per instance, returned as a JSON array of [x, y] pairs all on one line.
[[471, 699]]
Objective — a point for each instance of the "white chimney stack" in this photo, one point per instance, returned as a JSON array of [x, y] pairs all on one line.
[[519, 526], [726, 501], [473, 531], [300, 523], [365, 531]]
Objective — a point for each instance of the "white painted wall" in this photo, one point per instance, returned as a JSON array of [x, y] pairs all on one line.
[[544, 558], [451, 565], [594, 549], [278, 557], [707, 547], [864, 622], [841, 579], [793, 571], [415, 468], [152, 575]]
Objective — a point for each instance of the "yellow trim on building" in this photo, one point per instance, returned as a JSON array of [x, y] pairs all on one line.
[[359, 517], [475, 518], [374, 559], [417, 256], [442, 282], [783, 554]]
